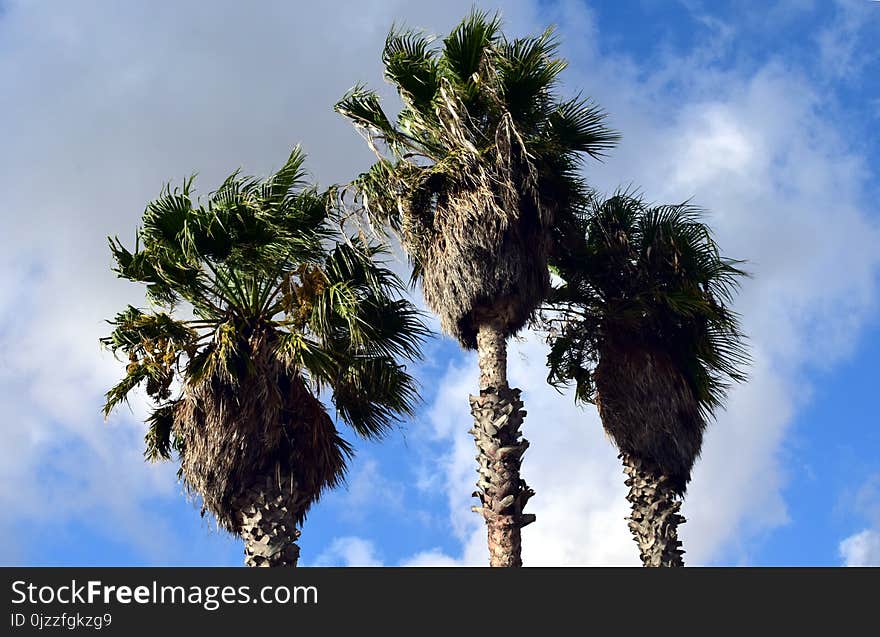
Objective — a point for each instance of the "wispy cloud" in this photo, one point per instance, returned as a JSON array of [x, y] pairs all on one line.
[[842, 50]]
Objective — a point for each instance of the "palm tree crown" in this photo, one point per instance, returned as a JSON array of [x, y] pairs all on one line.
[[483, 160], [260, 306], [642, 325]]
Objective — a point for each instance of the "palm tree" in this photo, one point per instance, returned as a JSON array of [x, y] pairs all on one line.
[[256, 315], [480, 165], [641, 325]]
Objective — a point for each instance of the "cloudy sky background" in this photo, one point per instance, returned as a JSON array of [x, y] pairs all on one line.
[[764, 113]]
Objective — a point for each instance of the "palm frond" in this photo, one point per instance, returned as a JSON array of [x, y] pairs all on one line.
[[291, 175], [412, 67], [528, 70], [160, 439], [465, 49], [364, 109], [579, 125], [373, 392]]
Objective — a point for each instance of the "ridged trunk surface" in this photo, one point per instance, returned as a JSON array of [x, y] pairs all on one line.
[[655, 518], [498, 416], [268, 525]]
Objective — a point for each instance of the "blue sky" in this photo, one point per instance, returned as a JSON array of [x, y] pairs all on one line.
[[765, 113]]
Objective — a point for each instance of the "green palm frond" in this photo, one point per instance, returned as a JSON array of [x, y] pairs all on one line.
[[353, 313], [154, 344], [578, 125], [376, 193], [466, 48], [528, 69], [411, 65], [160, 439], [373, 392], [364, 109], [289, 177], [118, 394], [166, 220]]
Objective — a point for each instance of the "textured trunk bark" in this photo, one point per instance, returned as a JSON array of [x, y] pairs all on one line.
[[498, 416], [655, 518], [268, 525]]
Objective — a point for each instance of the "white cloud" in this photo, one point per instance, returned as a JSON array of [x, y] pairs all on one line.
[[368, 490], [434, 558], [358, 551], [348, 551], [861, 549]]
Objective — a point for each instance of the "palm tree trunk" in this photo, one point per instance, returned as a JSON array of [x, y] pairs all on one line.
[[268, 525], [655, 518], [498, 416]]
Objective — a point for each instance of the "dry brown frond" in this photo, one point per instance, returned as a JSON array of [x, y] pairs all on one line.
[[667, 432], [484, 254], [270, 423]]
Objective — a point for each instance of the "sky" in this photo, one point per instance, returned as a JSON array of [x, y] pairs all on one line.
[[765, 114]]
